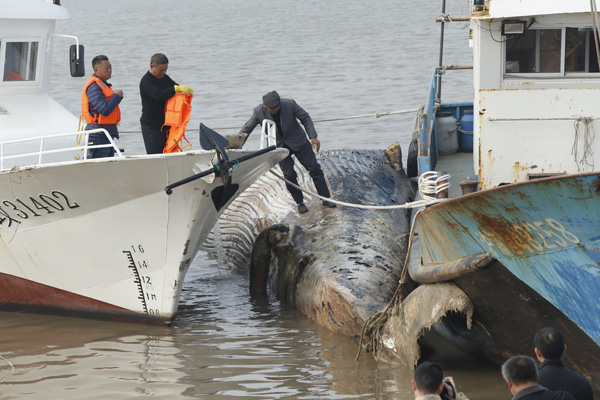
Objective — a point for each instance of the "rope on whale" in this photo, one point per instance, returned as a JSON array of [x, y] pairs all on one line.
[[371, 326], [426, 201]]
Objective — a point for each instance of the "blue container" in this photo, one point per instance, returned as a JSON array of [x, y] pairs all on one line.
[[466, 132]]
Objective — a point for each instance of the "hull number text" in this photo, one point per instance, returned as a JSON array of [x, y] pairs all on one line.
[[530, 237], [13, 211]]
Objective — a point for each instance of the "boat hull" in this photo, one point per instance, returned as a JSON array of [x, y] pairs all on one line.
[[102, 239], [507, 314], [528, 256]]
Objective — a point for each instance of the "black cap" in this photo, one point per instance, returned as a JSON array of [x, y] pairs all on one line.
[[271, 99]]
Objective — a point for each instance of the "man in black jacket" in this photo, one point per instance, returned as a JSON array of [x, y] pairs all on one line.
[[549, 348], [156, 87], [521, 375], [290, 135]]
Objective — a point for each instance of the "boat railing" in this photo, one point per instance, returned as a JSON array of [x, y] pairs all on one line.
[[36, 148], [267, 134], [428, 156]]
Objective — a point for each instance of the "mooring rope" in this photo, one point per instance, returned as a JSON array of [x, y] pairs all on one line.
[[418, 122], [431, 183], [414, 204], [376, 115], [12, 369], [596, 23], [375, 321]]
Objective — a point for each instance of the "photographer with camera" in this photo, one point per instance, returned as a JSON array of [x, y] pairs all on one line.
[[430, 384]]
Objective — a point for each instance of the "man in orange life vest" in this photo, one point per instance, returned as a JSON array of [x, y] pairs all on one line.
[[156, 87], [100, 107]]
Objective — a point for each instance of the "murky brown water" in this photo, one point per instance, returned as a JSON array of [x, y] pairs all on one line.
[[222, 345]]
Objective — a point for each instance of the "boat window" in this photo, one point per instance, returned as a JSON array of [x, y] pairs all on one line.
[[580, 52], [551, 52], [20, 61]]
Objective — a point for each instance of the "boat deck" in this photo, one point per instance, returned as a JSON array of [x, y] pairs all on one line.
[[460, 167]]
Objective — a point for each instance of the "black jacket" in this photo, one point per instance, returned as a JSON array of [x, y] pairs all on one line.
[[538, 392], [293, 135], [155, 93], [555, 376]]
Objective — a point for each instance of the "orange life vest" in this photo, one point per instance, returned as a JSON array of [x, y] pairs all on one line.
[[177, 114], [13, 76], [110, 119]]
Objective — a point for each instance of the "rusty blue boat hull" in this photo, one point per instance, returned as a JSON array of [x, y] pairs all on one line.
[[528, 256]]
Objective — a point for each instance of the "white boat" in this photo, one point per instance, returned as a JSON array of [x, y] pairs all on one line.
[[95, 238]]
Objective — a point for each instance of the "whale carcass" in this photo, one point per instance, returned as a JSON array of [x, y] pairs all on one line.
[[338, 266]]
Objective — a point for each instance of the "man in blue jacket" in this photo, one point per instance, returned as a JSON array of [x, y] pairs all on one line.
[[100, 107], [290, 135]]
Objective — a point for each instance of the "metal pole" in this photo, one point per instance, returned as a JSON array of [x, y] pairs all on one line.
[[217, 168], [439, 79]]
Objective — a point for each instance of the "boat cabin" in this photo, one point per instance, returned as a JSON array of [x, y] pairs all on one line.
[[27, 38], [536, 88]]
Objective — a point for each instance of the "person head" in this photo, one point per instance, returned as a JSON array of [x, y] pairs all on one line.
[[272, 101], [429, 378], [102, 67], [520, 372], [549, 344], [159, 63]]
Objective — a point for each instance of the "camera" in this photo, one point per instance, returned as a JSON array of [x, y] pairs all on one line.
[[448, 394]]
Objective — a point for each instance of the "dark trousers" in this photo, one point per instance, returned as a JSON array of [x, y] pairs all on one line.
[[96, 139], [307, 158], [155, 138]]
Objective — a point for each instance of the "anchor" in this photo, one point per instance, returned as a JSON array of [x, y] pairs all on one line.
[[211, 140]]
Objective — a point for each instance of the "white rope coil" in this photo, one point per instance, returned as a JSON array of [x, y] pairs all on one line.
[[430, 184]]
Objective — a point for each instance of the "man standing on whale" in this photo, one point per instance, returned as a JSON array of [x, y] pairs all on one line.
[[290, 135]]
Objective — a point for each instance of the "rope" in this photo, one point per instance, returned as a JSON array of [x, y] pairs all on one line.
[[418, 122], [376, 115], [446, 17], [375, 321], [588, 137], [534, 119], [596, 23], [431, 184], [414, 204], [11, 366]]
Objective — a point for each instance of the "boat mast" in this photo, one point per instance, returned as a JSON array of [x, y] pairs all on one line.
[[438, 95]]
